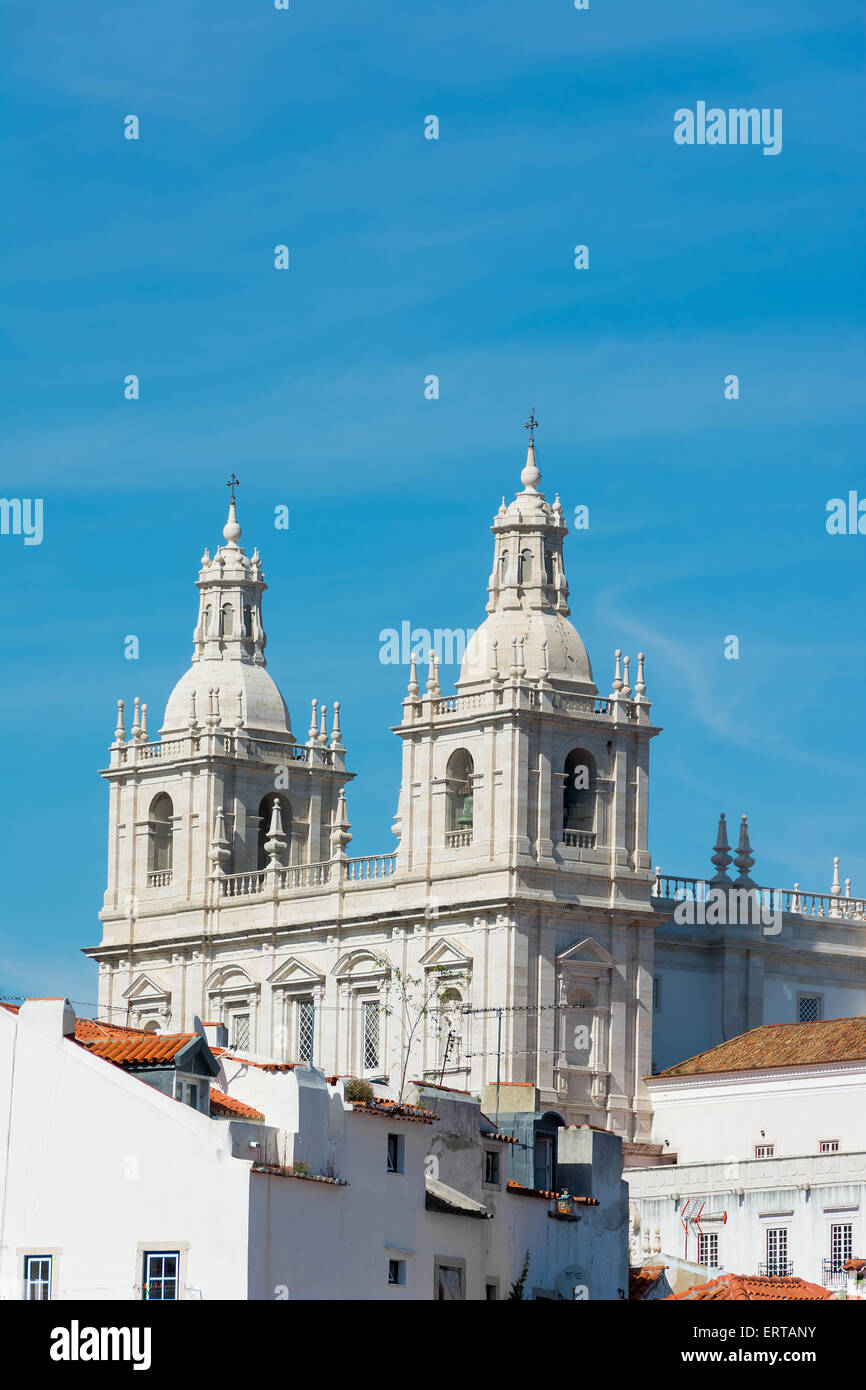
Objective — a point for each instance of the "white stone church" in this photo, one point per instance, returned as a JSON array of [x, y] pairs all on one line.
[[521, 888]]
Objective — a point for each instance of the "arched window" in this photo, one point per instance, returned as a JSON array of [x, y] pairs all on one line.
[[265, 812], [228, 620], [458, 776], [524, 567], [248, 620], [160, 831], [208, 614], [578, 804], [503, 566], [548, 565]]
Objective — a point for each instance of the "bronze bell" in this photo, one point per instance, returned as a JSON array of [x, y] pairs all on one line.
[[465, 819]]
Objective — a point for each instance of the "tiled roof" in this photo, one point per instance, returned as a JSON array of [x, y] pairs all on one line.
[[499, 1138], [248, 1062], [752, 1289], [392, 1110], [434, 1086], [781, 1045], [522, 1191], [855, 1265], [641, 1279], [140, 1049], [92, 1029], [231, 1107]]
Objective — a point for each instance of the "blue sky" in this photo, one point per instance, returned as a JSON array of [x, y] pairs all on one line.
[[411, 257]]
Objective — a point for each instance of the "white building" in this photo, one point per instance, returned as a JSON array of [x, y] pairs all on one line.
[[135, 1165], [764, 1156]]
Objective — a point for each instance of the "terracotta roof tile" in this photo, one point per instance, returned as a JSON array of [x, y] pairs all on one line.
[[91, 1029], [392, 1110], [781, 1045], [434, 1086], [231, 1107], [752, 1289], [142, 1049], [642, 1278], [521, 1191], [248, 1062]]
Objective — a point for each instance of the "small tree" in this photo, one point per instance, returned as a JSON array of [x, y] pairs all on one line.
[[517, 1287], [417, 1000], [358, 1090]]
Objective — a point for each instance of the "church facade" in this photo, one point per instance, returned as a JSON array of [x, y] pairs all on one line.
[[516, 934], [508, 937]]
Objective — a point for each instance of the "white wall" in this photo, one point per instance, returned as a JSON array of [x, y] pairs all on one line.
[[706, 1119], [100, 1163]]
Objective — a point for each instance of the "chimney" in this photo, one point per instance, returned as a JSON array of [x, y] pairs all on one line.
[[50, 1017], [214, 1034]]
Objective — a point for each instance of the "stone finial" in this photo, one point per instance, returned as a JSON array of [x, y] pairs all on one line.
[[136, 719], [313, 731], [835, 886], [217, 717], [220, 850], [494, 659], [413, 687], [240, 723], [722, 856], [336, 733], [323, 729], [120, 729], [744, 859], [433, 686], [847, 888], [193, 722], [521, 670], [617, 678], [626, 688], [796, 904], [557, 510], [144, 723], [640, 683], [340, 828], [275, 844], [545, 662]]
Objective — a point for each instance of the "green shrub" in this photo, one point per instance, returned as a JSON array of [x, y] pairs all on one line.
[[356, 1089]]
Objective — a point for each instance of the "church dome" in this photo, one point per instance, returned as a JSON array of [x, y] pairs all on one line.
[[565, 656], [242, 688]]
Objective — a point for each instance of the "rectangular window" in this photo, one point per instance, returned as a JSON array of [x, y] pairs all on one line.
[[37, 1277], [777, 1251], [395, 1153], [657, 994], [840, 1245], [828, 1146], [449, 1282], [240, 1032], [491, 1291], [764, 1150], [306, 1019], [708, 1250], [810, 1008], [188, 1092], [396, 1271], [371, 1034], [491, 1167], [160, 1283]]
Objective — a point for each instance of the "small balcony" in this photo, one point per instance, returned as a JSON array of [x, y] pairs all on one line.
[[776, 1269], [458, 839], [579, 839], [833, 1275], [159, 878]]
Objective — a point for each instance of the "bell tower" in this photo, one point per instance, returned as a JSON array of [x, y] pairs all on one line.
[[209, 821], [526, 765]]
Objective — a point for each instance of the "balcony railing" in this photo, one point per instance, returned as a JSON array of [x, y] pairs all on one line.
[[833, 1275], [371, 866], [673, 888], [458, 839], [579, 839], [776, 1269], [159, 878]]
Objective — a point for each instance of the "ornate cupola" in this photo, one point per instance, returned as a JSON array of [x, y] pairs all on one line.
[[227, 681], [528, 596]]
